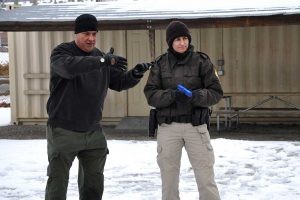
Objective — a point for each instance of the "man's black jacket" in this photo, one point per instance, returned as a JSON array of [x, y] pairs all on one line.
[[78, 87]]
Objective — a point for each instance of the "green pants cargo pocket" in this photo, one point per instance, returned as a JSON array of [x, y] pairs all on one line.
[[58, 166], [51, 166], [58, 173]]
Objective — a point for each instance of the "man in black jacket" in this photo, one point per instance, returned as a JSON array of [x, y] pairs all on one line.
[[80, 76]]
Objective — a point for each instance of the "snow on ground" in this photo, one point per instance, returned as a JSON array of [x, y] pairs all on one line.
[[4, 99], [4, 115], [245, 170], [4, 58]]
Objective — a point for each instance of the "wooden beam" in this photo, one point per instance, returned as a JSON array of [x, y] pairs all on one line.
[[152, 43], [34, 92], [36, 75], [262, 94]]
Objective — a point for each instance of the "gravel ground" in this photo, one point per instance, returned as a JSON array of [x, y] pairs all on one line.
[[244, 132]]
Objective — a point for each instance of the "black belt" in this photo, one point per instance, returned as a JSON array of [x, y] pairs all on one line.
[[178, 119]]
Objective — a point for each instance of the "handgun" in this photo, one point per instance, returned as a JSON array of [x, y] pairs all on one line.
[[184, 90]]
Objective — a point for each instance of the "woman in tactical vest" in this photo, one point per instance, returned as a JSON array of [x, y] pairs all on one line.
[[183, 114]]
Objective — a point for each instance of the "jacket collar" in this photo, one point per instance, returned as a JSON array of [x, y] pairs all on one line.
[[179, 59]]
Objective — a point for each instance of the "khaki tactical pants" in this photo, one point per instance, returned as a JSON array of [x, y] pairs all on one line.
[[63, 146], [196, 140]]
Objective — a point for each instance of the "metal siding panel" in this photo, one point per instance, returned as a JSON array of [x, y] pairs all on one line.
[[45, 68], [116, 102], [209, 41], [138, 51], [259, 59], [22, 67], [293, 49], [160, 42], [34, 67], [11, 36]]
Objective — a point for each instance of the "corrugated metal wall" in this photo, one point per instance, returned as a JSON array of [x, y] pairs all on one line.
[[138, 50], [262, 60], [29, 68], [257, 59]]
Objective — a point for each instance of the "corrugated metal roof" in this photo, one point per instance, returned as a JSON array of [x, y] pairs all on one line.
[[147, 10], [133, 10]]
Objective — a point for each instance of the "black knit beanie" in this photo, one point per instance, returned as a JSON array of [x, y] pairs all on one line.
[[176, 29], [85, 22]]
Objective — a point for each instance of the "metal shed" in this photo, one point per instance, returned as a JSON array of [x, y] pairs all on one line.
[[259, 45]]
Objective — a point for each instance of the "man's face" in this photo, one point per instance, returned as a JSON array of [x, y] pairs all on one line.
[[86, 40]]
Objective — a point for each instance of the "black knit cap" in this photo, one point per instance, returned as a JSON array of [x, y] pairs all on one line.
[[86, 22], [176, 29]]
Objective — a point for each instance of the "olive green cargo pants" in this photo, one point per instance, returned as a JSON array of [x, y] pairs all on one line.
[[91, 150], [171, 138]]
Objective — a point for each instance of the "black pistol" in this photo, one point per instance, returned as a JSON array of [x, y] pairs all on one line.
[[153, 124]]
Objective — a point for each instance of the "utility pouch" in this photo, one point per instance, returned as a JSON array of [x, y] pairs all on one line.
[[208, 118], [197, 117], [153, 123]]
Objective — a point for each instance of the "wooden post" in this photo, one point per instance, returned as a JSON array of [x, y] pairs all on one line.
[[151, 40]]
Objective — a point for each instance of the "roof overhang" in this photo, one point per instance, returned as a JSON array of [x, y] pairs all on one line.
[[145, 14], [275, 20]]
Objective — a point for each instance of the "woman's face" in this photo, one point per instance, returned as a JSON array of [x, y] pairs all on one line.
[[181, 44]]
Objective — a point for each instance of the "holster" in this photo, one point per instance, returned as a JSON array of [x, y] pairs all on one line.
[[201, 116], [153, 123]]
